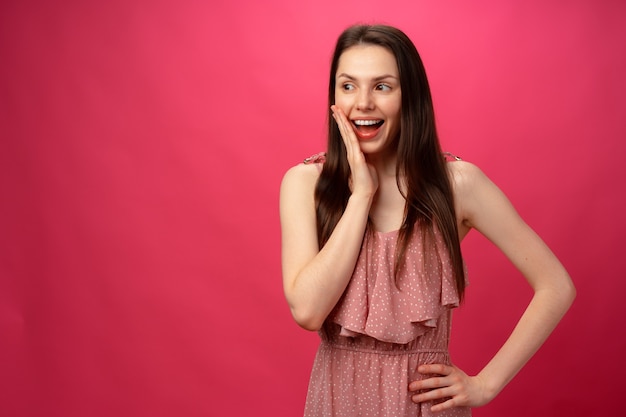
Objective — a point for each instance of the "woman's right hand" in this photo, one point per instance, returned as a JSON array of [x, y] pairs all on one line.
[[314, 279], [363, 176]]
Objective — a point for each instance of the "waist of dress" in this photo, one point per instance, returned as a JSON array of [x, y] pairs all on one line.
[[367, 344]]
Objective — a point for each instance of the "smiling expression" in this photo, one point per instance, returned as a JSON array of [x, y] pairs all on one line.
[[368, 91]]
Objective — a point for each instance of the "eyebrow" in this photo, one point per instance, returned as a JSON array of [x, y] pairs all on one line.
[[379, 78]]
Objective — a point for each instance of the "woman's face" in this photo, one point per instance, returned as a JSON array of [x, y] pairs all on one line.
[[368, 91]]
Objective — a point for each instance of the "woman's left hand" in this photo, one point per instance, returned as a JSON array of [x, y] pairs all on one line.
[[450, 383]]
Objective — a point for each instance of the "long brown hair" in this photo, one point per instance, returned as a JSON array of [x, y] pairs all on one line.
[[429, 198]]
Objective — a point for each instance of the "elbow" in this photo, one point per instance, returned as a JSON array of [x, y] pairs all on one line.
[[306, 311], [307, 320], [565, 293], [571, 293], [559, 295], [568, 290]]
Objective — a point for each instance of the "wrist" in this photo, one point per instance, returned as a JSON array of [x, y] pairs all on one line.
[[362, 196], [491, 387]]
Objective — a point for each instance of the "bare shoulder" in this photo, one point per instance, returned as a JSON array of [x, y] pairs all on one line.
[[301, 176], [297, 191], [464, 176], [476, 197], [297, 210]]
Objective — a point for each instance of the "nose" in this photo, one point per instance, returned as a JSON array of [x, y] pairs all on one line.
[[364, 100]]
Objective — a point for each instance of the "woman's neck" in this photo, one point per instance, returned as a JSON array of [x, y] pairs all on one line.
[[385, 164]]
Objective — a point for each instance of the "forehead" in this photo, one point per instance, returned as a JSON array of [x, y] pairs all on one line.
[[367, 61]]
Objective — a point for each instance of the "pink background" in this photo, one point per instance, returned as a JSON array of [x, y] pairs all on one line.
[[142, 146]]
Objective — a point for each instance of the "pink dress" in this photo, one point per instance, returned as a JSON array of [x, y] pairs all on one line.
[[382, 330]]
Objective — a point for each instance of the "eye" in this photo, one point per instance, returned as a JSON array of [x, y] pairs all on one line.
[[383, 87], [347, 87]]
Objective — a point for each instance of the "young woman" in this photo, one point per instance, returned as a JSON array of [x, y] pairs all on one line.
[[371, 256]]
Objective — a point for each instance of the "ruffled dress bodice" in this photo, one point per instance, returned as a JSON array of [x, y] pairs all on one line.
[[384, 327], [392, 310]]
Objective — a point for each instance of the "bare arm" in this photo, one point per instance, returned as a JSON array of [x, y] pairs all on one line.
[[482, 206], [313, 279], [486, 209]]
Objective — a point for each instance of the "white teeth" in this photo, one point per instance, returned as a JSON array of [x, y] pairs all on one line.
[[366, 122]]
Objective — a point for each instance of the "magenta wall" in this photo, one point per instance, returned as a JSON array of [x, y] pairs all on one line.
[[141, 149]]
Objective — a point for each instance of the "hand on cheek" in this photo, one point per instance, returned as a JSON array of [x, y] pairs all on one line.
[[363, 175]]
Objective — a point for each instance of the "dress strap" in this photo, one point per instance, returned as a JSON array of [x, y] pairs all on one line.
[[450, 157], [318, 158]]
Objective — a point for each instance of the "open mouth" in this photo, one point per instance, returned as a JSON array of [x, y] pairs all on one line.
[[366, 129]]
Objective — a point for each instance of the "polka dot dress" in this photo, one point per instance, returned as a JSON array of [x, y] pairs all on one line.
[[382, 329]]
